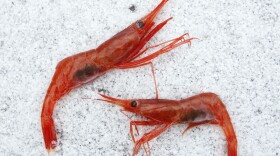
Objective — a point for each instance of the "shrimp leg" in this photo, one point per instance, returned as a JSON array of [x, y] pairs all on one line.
[[122, 111], [142, 123], [149, 136], [138, 123], [177, 42], [146, 60], [154, 46], [192, 125]]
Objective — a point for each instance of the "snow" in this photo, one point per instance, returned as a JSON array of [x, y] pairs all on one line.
[[237, 57]]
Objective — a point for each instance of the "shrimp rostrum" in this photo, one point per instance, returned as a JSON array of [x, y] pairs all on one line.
[[205, 108], [119, 52]]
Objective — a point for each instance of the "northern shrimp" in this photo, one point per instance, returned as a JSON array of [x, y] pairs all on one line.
[[205, 108], [119, 52]]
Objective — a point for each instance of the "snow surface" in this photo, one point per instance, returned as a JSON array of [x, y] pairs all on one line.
[[237, 57]]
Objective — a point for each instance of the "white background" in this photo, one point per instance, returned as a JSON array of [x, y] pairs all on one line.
[[237, 57]]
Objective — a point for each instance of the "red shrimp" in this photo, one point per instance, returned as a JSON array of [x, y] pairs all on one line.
[[196, 110], [119, 52]]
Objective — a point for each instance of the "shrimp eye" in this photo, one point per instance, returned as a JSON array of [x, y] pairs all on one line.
[[134, 104], [140, 24]]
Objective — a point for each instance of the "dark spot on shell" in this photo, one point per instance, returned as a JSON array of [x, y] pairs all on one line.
[[140, 24], [192, 114], [132, 8], [133, 104], [87, 71], [80, 74]]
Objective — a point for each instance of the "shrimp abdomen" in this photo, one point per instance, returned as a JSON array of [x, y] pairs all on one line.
[[70, 73], [214, 105]]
